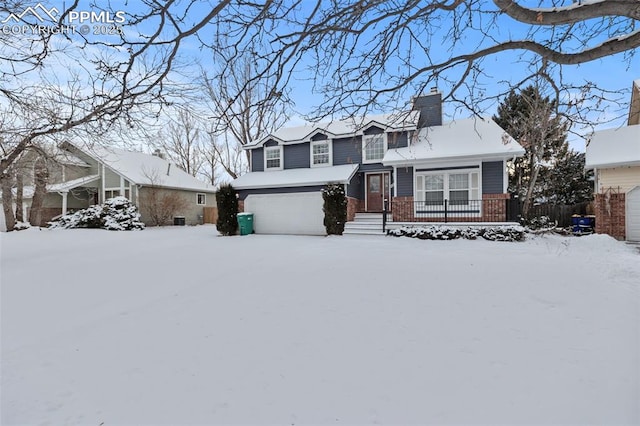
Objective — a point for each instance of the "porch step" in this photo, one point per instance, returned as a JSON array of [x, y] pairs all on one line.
[[363, 228], [371, 217], [365, 223]]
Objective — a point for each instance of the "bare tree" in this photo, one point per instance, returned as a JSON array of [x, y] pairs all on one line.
[[243, 107], [360, 54], [182, 139], [40, 180]]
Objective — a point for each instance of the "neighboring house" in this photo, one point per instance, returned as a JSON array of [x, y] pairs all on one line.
[[425, 170], [83, 176], [614, 155]]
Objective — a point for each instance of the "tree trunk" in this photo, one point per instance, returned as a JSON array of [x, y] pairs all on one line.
[[19, 195], [40, 178], [7, 201]]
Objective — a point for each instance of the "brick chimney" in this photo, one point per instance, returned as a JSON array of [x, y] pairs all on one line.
[[430, 107]]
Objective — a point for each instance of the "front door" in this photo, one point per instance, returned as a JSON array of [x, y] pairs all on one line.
[[377, 190]]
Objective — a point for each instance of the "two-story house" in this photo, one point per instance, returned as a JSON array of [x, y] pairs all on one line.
[[411, 163], [81, 176]]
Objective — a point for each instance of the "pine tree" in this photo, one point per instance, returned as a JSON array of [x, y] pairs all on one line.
[[566, 181], [531, 119], [227, 202]]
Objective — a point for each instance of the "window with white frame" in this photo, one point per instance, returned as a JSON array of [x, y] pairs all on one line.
[[273, 158], [458, 187], [373, 148], [112, 192], [320, 153], [201, 199]]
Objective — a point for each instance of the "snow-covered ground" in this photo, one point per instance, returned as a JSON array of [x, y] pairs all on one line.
[[179, 326]]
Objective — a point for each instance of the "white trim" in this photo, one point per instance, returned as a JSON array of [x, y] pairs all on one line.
[[267, 148], [329, 142], [365, 143], [102, 184], [198, 194], [395, 183], [64, 202], [447, 161], [505, 177], [627, 219], [446, 191]]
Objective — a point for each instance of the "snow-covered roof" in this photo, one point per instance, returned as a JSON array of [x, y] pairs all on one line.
[[614, 147], [467, 138], [68, 185], [343, 128], [145, 169], [296, 177]]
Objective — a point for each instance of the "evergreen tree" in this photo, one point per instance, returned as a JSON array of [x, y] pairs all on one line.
[[227, 202], [335, 208], [566, 181], [531, 119]]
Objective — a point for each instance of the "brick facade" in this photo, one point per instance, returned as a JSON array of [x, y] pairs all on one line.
[[353, 206], [610, 214], [240, 206], [494, 209]]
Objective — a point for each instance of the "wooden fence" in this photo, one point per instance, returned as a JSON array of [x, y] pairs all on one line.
[[210, 214]]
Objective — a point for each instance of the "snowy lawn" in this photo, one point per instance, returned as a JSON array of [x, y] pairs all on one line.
[[179, 326]]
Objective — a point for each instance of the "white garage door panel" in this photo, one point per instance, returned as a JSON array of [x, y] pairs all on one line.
[[300, 213], [633, 214]]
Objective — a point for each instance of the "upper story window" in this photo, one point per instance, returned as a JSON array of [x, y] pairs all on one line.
[[373, 148], [201, 199], [321, 153], [273, 158]]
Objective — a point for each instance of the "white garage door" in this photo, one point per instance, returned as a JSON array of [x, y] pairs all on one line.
[[300, 213], [633, 214]]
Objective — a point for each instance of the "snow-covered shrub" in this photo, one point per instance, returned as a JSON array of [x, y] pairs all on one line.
[[495, 233], [116, 214], [540, 223], [335, 208], [120, 215], [21, 226]]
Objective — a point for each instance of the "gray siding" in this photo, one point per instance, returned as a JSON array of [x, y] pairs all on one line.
[[355, 188], [192, 211], [111, 179], [397, 140], [404, 186], [243, 193], [492, 177], [319, 137], [271, 142], [373, 130], [257, 160], [296, 156], [430, 107], [347, 151]]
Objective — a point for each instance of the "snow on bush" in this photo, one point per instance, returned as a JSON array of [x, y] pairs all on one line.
[[116, 214], [21, 226], [494, 233]]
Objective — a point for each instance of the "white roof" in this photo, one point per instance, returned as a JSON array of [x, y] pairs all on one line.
[[343, 128], [68, 185], [296, 177], [467, 138], [146, 169], [614, 147]]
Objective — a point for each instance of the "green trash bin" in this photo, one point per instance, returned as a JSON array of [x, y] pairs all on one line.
[[245, 223]]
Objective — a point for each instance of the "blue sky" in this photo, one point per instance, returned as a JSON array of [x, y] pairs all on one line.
[[610, 73]]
